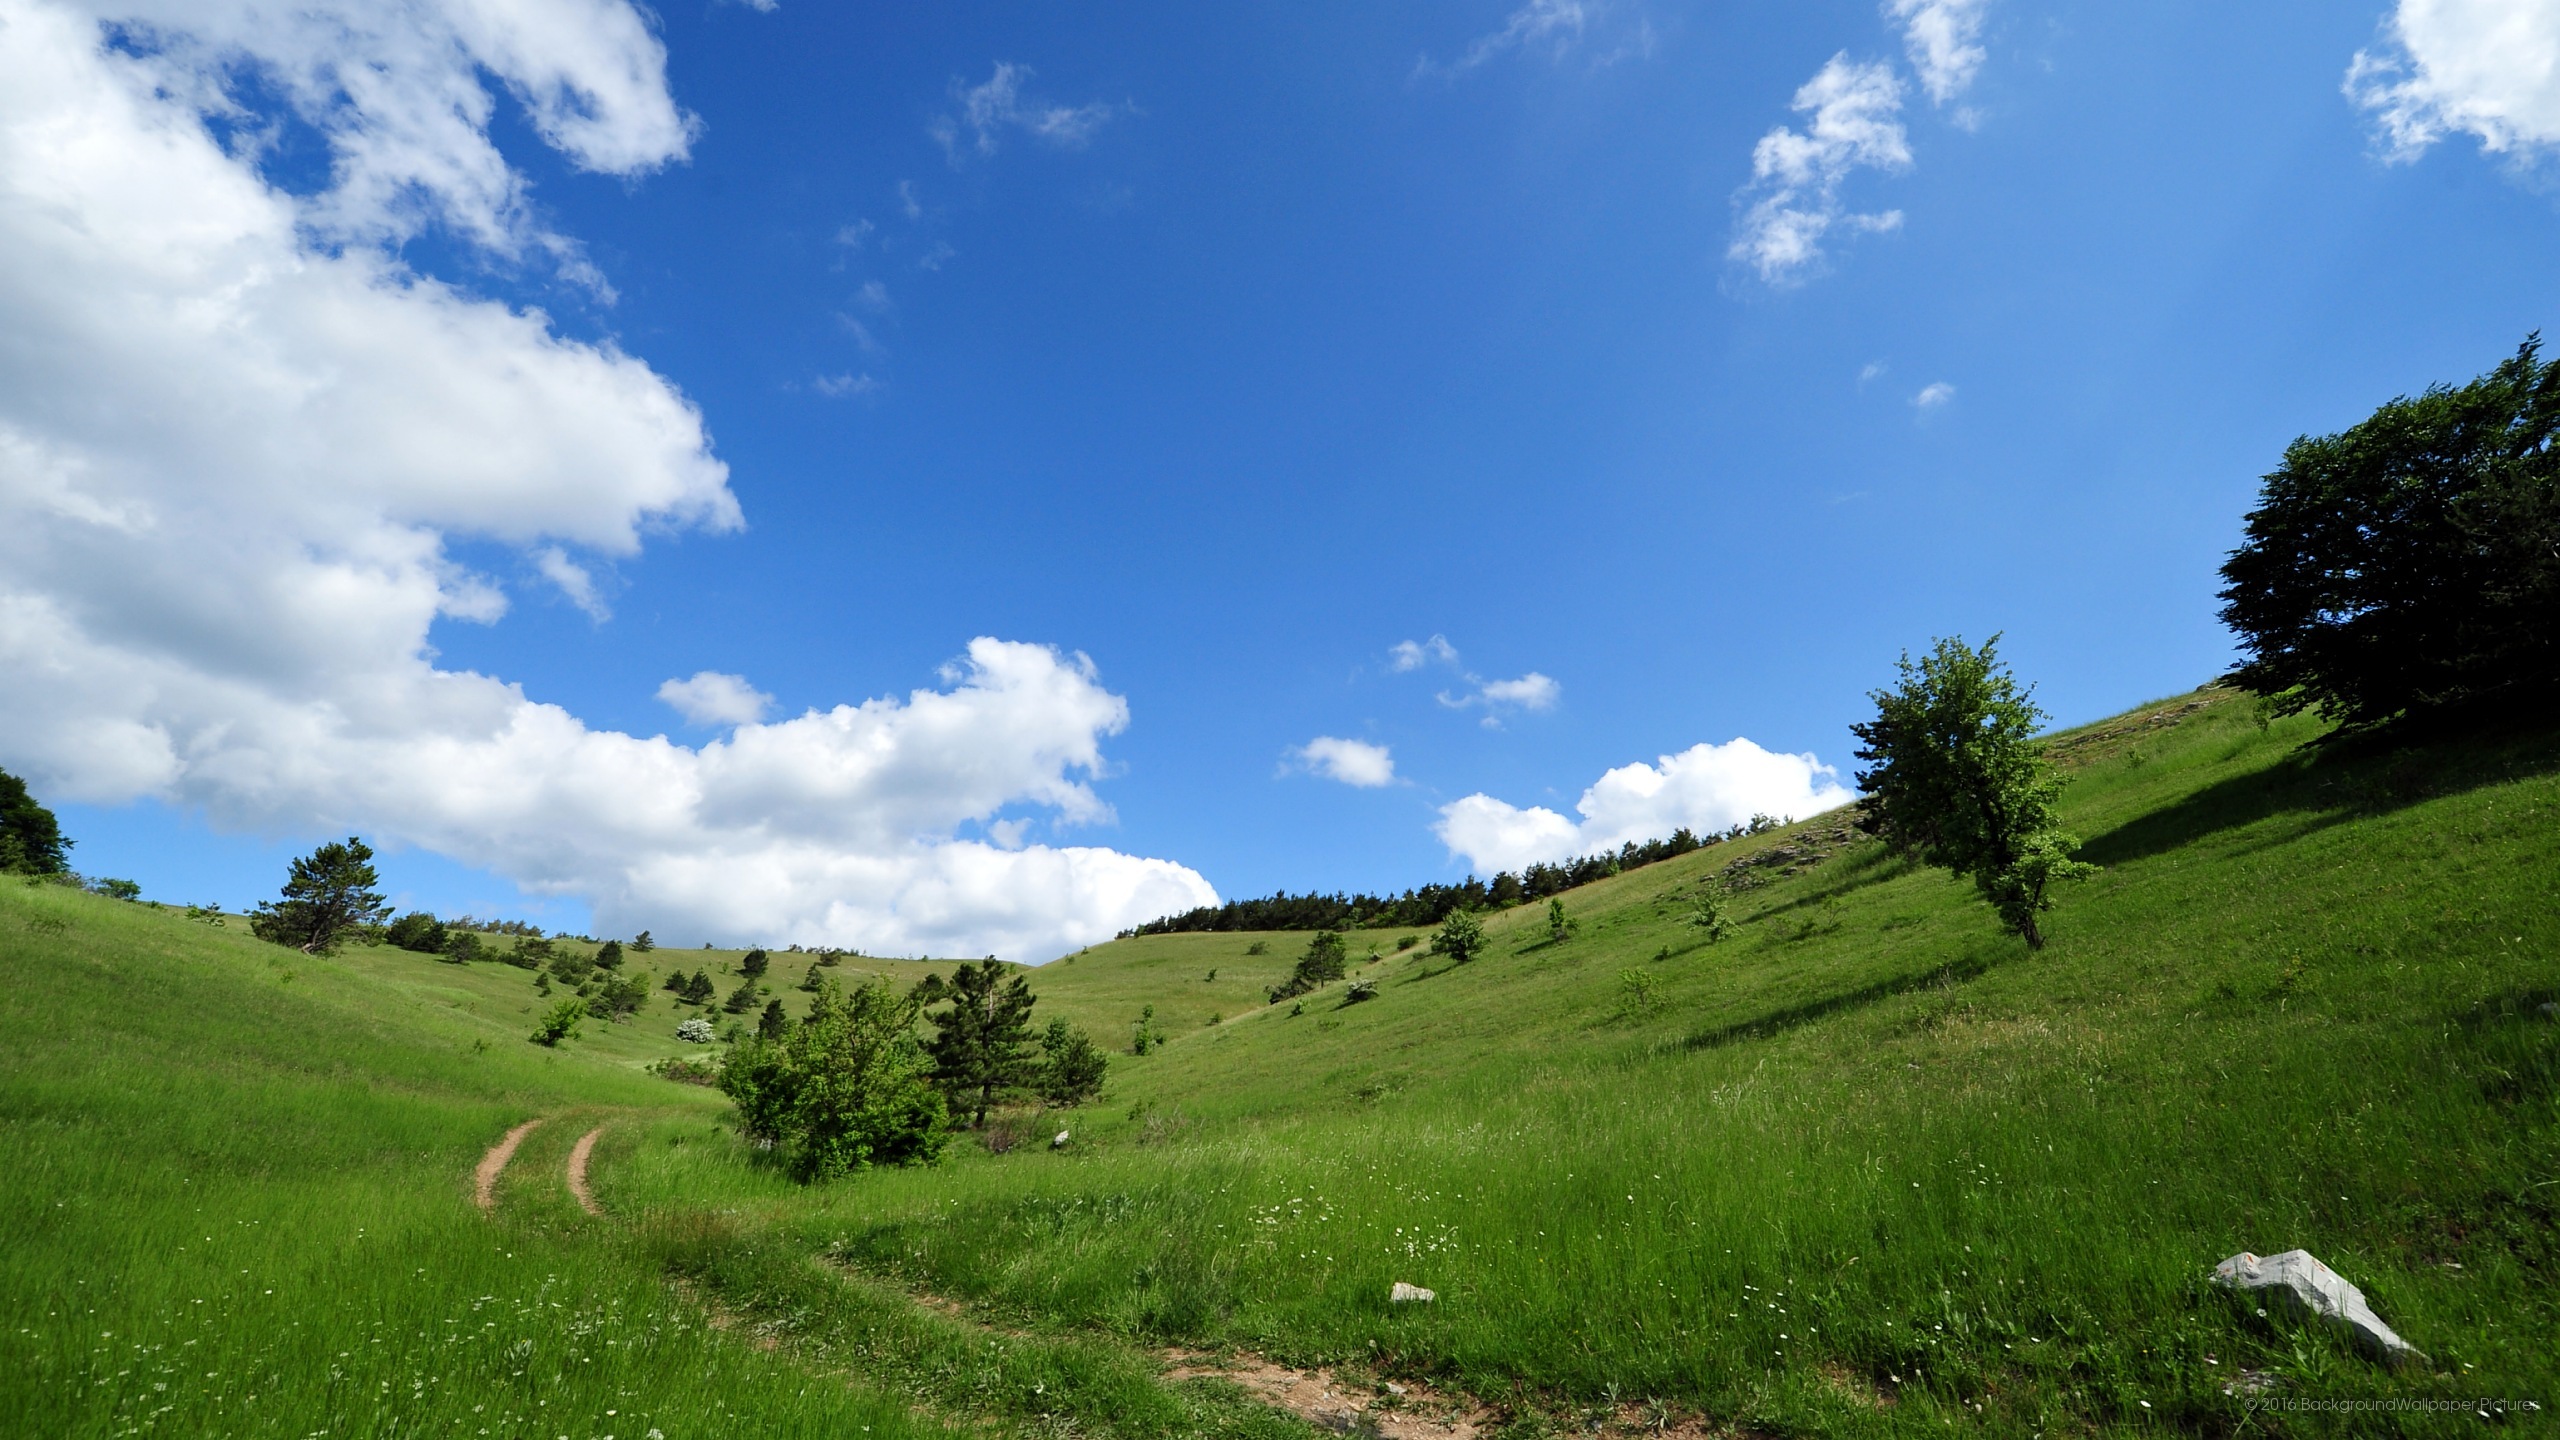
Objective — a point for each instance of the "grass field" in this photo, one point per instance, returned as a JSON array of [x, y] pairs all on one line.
[[1867, 1166]]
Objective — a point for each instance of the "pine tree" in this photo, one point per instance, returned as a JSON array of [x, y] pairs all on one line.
[[609, 954], [981, 1050], [1071, 1066], [327, 893], [772, 1024], [642, 943], [753, 963], [742, 999]]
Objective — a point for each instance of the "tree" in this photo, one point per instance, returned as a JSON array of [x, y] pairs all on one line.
[[619, 997], [460, 946], [845, 1089], [1144, 1036], [771, 1024], [753, 963], [1461, 937], [699, 990], [327, 893], [1960, 782], [609, 955], [31, 841], [1710, 915], [1560, 926], [2410, 563], [642, 943], [1071, 1066], [118, 889], [981, 1048], [1326, 960], [742, 999], [418, 931], [561, 1024]]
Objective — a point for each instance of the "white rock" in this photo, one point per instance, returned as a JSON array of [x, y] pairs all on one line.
[[1059, 1143], [1405, 1294], [2298, 1282]]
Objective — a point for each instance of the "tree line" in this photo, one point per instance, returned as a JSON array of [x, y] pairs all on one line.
[[1427, 905]]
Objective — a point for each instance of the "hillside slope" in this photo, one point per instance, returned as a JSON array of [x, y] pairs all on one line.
[[1869, 1165]]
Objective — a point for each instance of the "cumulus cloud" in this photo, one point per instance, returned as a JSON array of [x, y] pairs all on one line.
[[1704, 788], [237, 443], [712, 698], [998, 104], [1356, 763], [2485, 68], [1414, 654], [1793, 202], [1943, 39]]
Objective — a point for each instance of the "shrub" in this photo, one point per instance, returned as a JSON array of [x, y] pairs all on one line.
[[418, 931], [1461, 938], [609, 955], [1636, 991], [1560, 926], [117, 889], [1407, 942], [619, 997], [561, 1024], [1359, 990], [848, 1088], [696, 1031], [1711, 916], [1258, 947], [686, 1072], [2410, 563], [1144, 1036]]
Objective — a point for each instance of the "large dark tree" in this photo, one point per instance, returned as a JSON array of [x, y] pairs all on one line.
[[2410, 563], [328, 893], [30, 840], [1960, 781], [981, 1048]]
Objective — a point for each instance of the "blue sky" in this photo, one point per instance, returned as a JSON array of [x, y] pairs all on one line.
[[1233, 350]]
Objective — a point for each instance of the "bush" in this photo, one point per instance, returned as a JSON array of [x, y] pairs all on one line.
[[686, 1072], [1461, 938], [561, 1024], [1712, 917], [1407, 942], [1144, 1036], [117, 889], [697, 1031], [1560, 926], [2410, 563], [609, 955], [1359, 990], [846, 1089], [619, 997], [418, 931]]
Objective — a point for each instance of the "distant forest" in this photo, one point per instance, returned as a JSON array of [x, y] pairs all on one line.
[[1431, 904]]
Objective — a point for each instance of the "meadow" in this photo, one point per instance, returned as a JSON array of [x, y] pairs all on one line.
[[1867, 1166]]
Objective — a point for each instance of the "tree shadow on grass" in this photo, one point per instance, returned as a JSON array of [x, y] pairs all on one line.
[[2329, 784], [1791, 1017]]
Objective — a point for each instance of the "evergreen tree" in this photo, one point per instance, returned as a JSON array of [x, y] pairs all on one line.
[[327, 894], [642, 943], [981, 1048], [742, 999], [752, 964], [418, 931], [609, 954], [1071, 1066], [677, 984], [699, 990], [1560, 926], [771, 1024], [31, 841], [1960, 782]]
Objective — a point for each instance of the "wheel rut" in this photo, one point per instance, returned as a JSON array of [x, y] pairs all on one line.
[[485, 1179], [578, 1156]]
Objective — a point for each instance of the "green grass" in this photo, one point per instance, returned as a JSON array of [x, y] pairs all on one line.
[[1866, 1167]]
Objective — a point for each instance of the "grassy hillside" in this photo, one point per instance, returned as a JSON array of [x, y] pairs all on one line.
[[1867, 1166]]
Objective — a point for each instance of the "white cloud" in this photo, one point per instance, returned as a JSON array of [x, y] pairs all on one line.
[[573, 580], [1532, 691], [236, 444], [998, 104], [1793, 201], [1414, 654], [836, 387], [1943, 39], [712, 698], [1556, 27], [1704, 788], [2486, 68], [1932, 396], [1356, 763]]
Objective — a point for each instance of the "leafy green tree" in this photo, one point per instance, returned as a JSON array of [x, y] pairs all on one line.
[[753, 964], [1560, 926], [2410, 563], [1960, 782], [771, 1024], [31, 840], [118, 889], [981, 1048], [461, 946], [418, 931], [1461, 937], [1326, 960], [327, 894], [561, 1024], [847, 1088], [642, 943], [1144, 1036], [1713, 913], [609, 955], [620, 996], [1071, 1066]]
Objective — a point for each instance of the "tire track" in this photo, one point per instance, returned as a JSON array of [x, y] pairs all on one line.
[[493, 1164], [578, 1154]]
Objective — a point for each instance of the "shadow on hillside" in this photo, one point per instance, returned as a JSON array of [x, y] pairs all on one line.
[[2329, 784], [1780, 1021]]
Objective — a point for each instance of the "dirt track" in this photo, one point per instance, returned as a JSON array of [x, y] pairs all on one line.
[[578, 1154], [493, 1164]]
